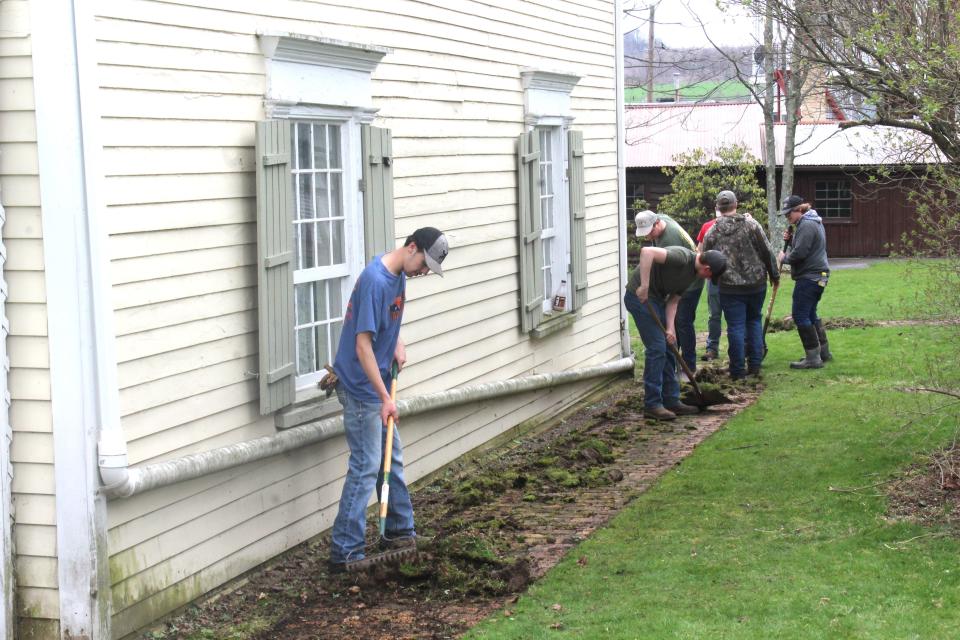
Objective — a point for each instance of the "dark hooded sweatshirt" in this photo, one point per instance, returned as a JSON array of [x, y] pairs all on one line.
[[808, 254]]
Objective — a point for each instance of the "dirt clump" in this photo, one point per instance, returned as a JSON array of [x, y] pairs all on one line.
[[929, 493]]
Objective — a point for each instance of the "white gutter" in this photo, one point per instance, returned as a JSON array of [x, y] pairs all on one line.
[[625, 349], [127, 482], [83, 389], [6, 469]]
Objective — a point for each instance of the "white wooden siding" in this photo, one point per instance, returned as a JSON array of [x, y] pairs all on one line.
[[29, 382], [181, 84]]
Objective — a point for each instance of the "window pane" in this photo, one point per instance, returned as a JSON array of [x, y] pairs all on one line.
[[335, 329], [336, 199], [334, 147], [303, 146], [323, 244], [323, 207], [320, 299], [305, 209], [323, 347], [308, 258], [543, 179], [302, 293], [336, 302], [305, 351], [544, 213], [338, 242], [320, 146]]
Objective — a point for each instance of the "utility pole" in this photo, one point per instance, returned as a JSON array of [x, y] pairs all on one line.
[[650, 57]]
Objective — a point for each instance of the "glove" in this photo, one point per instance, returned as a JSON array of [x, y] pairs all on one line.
[[329, 382]]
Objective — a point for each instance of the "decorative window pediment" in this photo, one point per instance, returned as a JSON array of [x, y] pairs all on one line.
[[310, 70], [546, 96]]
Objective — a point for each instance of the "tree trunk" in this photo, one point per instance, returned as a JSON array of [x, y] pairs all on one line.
[[774, 227]]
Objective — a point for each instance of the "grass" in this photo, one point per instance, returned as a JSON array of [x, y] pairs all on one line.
[[746, 539], [884, 290]]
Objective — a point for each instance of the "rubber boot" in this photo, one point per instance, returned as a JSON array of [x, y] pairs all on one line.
[[825, 354], [811, 344]]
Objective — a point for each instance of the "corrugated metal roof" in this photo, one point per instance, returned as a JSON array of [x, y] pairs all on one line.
[[827, 145], [658, 132]]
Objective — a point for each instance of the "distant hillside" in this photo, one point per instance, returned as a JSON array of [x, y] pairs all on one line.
[[704, 73]]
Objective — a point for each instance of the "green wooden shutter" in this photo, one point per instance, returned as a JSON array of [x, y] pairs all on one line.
[[275, 255], [377, 186], [530, 228], [578, 221]]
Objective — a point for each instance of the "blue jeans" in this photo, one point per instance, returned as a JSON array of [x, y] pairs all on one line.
[[806, 297], [686, 333], [744, 315], [366, 436], [660, 386], [714, 324]]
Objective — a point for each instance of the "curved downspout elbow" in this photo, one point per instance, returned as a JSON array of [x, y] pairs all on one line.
[[115, 474]]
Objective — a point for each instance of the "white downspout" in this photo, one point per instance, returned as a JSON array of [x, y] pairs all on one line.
[[133, 481], [83, 380], [6, 469], [625, 349]]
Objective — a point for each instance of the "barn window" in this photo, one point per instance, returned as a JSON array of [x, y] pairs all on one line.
[[833, 199]]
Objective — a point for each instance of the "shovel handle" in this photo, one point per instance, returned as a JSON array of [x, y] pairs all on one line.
[[676, 354]]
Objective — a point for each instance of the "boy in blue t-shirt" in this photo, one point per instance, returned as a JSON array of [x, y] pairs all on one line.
[[369, 343]]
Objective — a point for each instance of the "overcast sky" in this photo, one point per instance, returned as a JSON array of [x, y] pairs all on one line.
[[676, 23]]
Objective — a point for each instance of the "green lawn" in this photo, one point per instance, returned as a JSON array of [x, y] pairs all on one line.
[[745, 539]]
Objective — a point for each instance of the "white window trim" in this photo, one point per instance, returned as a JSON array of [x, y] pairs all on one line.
[[560, 247], [353, 230]]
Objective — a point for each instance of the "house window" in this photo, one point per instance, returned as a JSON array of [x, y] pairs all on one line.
[[328, 235], [833, 199], [553, 213], [551, 204], [324, 209]]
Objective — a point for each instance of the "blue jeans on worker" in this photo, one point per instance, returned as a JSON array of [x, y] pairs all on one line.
[[686, 333], [366, 435], [714, 323], [660, 386], [744, 315], [806, 297]]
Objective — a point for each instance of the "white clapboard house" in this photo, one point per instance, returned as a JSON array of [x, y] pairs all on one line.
[[189, 191]]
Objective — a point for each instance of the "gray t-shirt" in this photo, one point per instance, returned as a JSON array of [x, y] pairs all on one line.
[[674, 276]]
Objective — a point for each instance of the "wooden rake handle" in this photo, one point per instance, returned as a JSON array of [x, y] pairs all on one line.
[[388, 452]]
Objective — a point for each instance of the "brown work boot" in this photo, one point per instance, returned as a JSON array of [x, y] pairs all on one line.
[[658, 413], [681, 409], [709, 355]]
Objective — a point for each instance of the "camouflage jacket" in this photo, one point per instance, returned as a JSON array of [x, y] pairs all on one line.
[[749, 258]]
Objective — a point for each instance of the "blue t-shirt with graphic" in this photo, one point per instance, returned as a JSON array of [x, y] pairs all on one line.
[[375, 306]]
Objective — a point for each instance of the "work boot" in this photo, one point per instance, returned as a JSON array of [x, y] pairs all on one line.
[[681, 409], [709, 355], [811, 345], [658, 413], [753, 371], [822, 339]]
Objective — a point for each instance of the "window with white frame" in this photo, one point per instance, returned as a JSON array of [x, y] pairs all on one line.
[[554, 220], [328, 235], [551, 204]]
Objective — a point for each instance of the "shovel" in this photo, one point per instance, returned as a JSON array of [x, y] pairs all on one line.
[[388, 453], [766, 323], [712, 396]]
